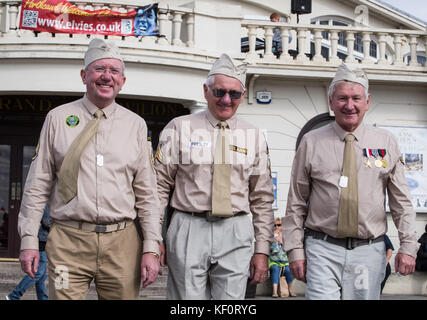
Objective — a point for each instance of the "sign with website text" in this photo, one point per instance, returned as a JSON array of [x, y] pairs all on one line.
[[61, 16]]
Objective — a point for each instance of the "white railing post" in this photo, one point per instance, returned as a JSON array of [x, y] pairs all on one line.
[[334, 48], [163, 21], [398, 59], [190, 29], [285, 56], [177, 22], [13, 19], [382, 47], [302, 34], [350, 47], [318, 58], [252, 55], [366, 40], [268, 43], [413, 45]]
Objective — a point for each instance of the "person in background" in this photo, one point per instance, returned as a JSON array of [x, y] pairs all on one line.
[[40, 275], [278, 263], [389, 251], [277, 35]]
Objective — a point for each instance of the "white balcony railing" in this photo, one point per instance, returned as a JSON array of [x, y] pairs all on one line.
[[392, 46], [185, 31]]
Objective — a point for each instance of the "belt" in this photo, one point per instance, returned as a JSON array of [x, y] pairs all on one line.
[[209, 217], [90, 227], [348, 243]]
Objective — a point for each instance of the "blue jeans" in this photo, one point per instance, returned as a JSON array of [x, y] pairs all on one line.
[[27, 281], [275, 274]]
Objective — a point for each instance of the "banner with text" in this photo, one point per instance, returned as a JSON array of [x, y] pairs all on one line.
[[61, 16]]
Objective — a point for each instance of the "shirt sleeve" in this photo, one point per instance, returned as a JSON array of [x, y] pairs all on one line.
[[166, 165], [37, 188], [297, 205], [261, 198], [401, 209], [146, 196]]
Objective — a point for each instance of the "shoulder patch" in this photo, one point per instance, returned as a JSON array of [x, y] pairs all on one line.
[[36, 152]]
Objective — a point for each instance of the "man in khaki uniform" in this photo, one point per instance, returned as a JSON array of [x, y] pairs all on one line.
[[342, 254], [210, 237], [93, 236]]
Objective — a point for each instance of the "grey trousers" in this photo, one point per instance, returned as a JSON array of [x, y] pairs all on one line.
[[334, 272], [208, 260]]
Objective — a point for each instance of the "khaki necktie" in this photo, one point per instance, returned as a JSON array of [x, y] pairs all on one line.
[[348, 210], [67, 180], [221, 190]]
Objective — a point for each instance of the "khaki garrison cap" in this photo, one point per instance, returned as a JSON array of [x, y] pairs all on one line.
[[225, 65], [101, 49], [351, 74]]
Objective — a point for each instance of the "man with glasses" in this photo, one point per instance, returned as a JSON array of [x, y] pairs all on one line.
[[94, 156], [217, 168]]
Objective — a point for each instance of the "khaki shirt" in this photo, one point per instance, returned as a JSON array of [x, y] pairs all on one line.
[[184, 162], [315, 176], [123, 187]]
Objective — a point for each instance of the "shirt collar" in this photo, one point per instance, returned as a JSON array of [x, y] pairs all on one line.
[[214, 121], [341, 133], [91, 108]]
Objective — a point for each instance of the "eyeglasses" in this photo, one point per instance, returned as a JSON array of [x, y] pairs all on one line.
[[102, 70], [277, 225], [219, 93]]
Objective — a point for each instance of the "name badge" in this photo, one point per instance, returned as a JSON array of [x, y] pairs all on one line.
[[200, 144], [343, 182], [99, 160]]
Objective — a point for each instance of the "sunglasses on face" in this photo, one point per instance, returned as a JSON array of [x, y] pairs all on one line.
[[277, 225], [219, 93]]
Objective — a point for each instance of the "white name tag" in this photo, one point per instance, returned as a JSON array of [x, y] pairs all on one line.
[[200, 144], [343, 182], [99, 160]]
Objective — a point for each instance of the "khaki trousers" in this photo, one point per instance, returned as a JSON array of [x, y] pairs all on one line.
[[76, 257], [208, 260]]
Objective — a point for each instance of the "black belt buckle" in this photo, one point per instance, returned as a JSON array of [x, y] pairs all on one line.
[[350, 244], [100, 228], [212, 218]]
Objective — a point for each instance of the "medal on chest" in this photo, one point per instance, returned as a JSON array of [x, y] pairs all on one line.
[[366, 155]]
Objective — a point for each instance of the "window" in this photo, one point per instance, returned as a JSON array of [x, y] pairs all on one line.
[[420, 58]]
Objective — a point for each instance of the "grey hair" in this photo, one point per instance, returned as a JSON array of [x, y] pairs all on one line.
[[331, 90], [210, 80]]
